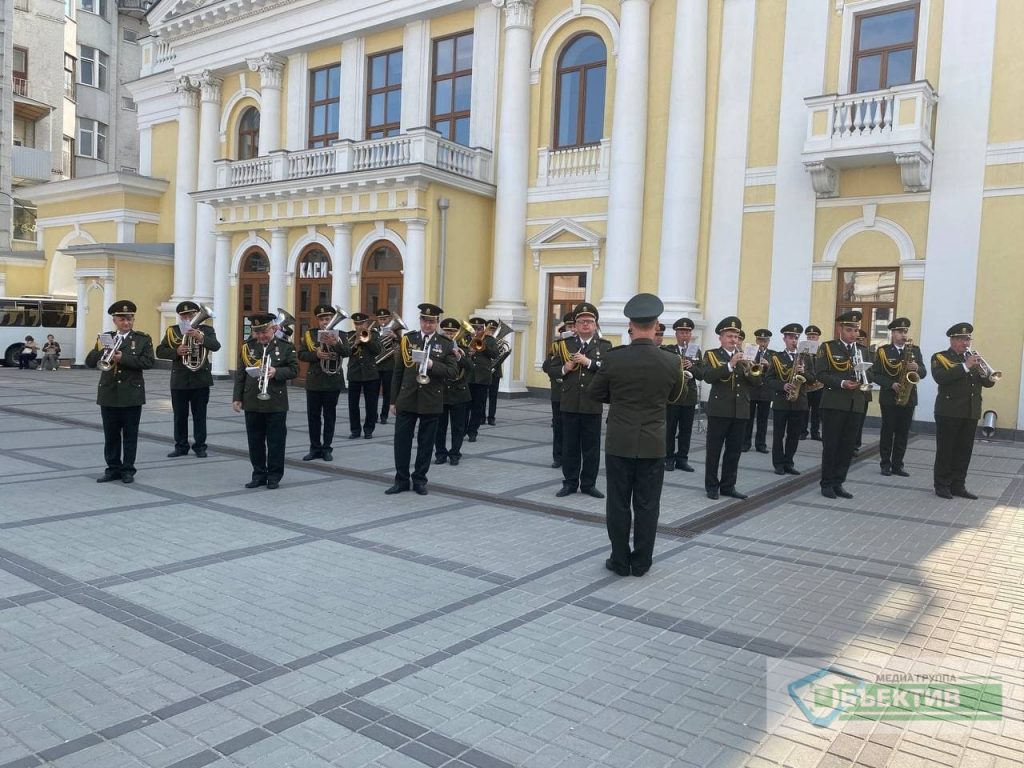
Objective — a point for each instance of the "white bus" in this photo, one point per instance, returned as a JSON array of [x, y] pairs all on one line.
[[37, 316]]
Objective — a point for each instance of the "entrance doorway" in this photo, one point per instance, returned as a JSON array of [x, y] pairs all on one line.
[[312, 287], [382, 279], [253, 289]]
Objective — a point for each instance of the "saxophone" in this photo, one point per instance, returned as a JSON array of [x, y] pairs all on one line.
[[906, 379], [795, 380]]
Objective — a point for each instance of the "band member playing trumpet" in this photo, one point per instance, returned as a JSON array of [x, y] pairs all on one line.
[[555, 376], [483, 351], [731, 375], [812, 416], [897, 368], [961, 374], [679, 413], [787, 378], [265, 365], [363, 376], [324, 382], [426, 359], [843, 404], [386, 367], [122, 390], [191, 376], [760, 397], [577, 360], [456, 399]]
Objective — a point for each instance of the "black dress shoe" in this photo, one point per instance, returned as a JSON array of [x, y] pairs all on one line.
[[312, 455], [963, 493], [780, 471], [354, 436], [856, 451], [842, 492], [471, 438], [901, 472], [382, 420], [886, 473], [490, 422], [592, 491], [420, 489], [733, 493], [685, 466], [828, 493], [328, 454], [200, 453], [128, 479], [621, 570], [273, 485], [556, 464], [745, 449], [367, 435], [943, 493], [256, 483], [804, 436], [636, 570], [396, 488], [440, 459], [816, 437], [454, 460], [109, 477], [762, 449], [792, 470], [670, 465], [565, 490], [713, 494], [175, 453]]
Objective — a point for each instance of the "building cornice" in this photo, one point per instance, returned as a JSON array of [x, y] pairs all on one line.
[[107, 183]]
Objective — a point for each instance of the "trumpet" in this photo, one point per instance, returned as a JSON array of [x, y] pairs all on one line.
[[752, 369], [985, 370], [106, 361], [422, 377], [388, 332], [332, 365], [858, 363], [197, 352], [264, 378], [359, 337]]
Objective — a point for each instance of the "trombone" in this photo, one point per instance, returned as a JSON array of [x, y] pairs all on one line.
[[985, 370], [106, 361]]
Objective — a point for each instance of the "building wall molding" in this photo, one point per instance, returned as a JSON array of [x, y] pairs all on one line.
[[912, 268], [579, 10], [311, 237], [380, 232]]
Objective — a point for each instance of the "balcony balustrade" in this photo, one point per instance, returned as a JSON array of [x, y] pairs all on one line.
[[573, 165]]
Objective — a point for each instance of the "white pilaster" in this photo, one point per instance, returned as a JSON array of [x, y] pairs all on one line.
[[626, 165], [803, 75], [145, 151], [185, 184], [414, 287], [109, 295], [486, 28], [353, 89], [341, 263], [684, 159], [958, 177], [278, 260], [221, 300], [416, 75], [209, 147], [736, 72], [82, 347], [271, 69], [513, 161], [297, 111]]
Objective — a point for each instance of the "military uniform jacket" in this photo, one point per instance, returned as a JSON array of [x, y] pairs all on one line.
[[730, 390], [760, 391], [316, 379], [407, 394], [689, 398], [885, 372], [834, 366], [575, 397], [779, 369], [554, 371], [483, 362], [959, 394], [361, 364], [282, 357], [456, 390], [182, 377], [637, 380], [123, 386]]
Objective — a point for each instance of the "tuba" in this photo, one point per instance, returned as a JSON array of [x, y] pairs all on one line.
[[332, 365], [906, 380], [285, 322], [387, 340], [197, 352], [504, 347]]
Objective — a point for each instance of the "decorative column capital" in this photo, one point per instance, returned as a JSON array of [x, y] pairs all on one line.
[[209, 85], [518, 13], [623, 2], [188, 94], [344, 228], [271, 69], [415, 225]]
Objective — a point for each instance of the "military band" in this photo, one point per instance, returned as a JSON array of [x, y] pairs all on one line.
[[898, 367], [364, 381], [324, 382], [456, 398], [680, 411], [787, 378]]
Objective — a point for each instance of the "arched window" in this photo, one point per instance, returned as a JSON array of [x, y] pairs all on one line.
[[382, 278], [249, 134], [253, 288], [579, 92]]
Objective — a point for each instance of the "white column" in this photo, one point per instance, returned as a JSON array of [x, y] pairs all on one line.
[[626, 164], [278, 259], [353, 89], [958, 179], [803, 72], [145, 151], [416, 95], [736, 73], [185, 184], [223, 358], [209, 147], [684, 159], [271, 69], [513, 161], [414, 288], [486, 30], [82, 347], [341, 264], [109, 296]]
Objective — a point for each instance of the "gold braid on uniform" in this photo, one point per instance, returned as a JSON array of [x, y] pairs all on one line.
[[172, 340], [308, 338], [248, 359], [841, 367], [559, 348], [406, 354], [946, 362], [714, 362], [782, 370]]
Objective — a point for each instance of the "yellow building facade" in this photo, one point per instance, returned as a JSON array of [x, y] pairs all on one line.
[[781, 160]]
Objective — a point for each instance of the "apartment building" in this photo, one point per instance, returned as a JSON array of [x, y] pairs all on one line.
[[782, 160]]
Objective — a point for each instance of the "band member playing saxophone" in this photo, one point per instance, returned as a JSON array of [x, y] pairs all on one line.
[[897, 369], [191, 377], [787, 378]]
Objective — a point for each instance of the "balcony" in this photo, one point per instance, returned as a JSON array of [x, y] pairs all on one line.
[[573, 165], [28, 164], [137, 8], [157, 56], [891, 126], [25, 107], [420, 146]]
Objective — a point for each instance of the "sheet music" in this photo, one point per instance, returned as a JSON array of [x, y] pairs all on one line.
[[418, 355], [692, 351], [106, 340], [254, 371], [327, 337]]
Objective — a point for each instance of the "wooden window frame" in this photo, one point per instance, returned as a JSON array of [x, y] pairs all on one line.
[[255, 134], [884, 51], [386, 127], [326, 138], [866, 307], [581, 106], [451, 116], [583, 277], [17, 73]]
